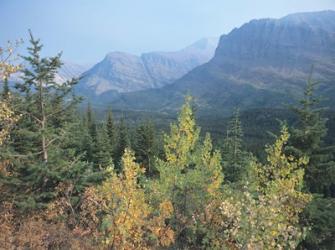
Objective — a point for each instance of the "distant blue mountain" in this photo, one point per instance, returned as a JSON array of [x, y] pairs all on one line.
[[122, 72], [264, 63]]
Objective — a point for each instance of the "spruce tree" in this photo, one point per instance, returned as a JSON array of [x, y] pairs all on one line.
[[102, 157], [307, 140], [110, 127], [234, 158], [91, 123], [145, 145], [123, 141], [89, 134], [41, 159]]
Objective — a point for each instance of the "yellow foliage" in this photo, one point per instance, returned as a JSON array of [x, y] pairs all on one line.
[[6, 57], [128, 217], [182, 138], [7, 120], [265, 218], [7, 116]]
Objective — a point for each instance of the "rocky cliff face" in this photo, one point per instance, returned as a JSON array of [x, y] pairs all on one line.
[[264, 63], [124, 72], [269, 51]]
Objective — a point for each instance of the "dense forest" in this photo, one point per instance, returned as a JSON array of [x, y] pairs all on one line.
[[71, 180]]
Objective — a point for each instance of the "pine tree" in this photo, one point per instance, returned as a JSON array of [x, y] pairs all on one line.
[[40, 158], [111, 131], [123, 142], [234, 158], [307, 139], [91, 123], [89, 134], [145, 145], [102, 157]]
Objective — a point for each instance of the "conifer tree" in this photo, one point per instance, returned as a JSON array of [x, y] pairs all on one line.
[[234, 158], [37, 152], [91, 123], [102, 153], [123, 142], [144, 145], [307, 139], [111, 131], [89, 134]]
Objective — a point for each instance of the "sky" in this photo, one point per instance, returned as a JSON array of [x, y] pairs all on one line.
[[86, 30]]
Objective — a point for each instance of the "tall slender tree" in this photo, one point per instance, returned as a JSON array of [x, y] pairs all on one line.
[[307, 139], [233, 155], [123, 141], [40, 159], [91, 123], [111, 132], [144, 145], [102, 154]]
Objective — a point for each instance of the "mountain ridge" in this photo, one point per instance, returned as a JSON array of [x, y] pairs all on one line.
[[264, 63], [125, 72]]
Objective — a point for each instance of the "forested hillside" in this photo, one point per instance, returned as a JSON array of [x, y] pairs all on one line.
[[82, 180]]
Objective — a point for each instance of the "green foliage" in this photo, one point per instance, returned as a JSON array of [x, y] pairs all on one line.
[[103, 153], [91, 123], [234, 157], [128, 221], [111, 131], [5, 90], [123, 141], [307, 139], [40, 155], [264, 213], [189, 177], [56, 160], [320, 215], [145, 146]]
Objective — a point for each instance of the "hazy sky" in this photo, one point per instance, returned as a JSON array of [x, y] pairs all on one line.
[[85, 30]]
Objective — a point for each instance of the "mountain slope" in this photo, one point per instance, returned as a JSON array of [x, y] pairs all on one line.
[[71, 70], [264, 63], [123, 72]]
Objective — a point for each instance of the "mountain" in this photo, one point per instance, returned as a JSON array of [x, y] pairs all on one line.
[[264, 63], [166, 67], [123, 72], [71, 70], [278, 54]]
